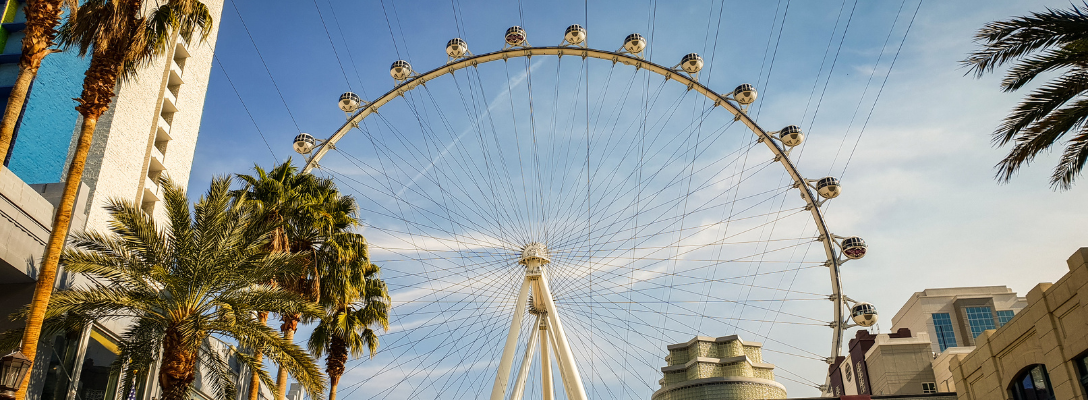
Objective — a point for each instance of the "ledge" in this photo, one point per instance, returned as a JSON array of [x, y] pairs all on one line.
[[719, 380], [710, 360], [723, 339], [13, 27]]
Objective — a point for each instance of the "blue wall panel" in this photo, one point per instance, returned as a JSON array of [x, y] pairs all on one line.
[[49, 122]]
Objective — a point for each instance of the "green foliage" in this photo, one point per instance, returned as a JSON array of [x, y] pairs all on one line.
[[354, 297], [198, 274], [99, 25], [1055, 40]]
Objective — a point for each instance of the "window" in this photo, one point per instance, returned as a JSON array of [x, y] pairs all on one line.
[[946, 337], [981, 319], [97, 381], [1003, 317], [1031, 384], [1082, 369], [61, 359], [929, 387]]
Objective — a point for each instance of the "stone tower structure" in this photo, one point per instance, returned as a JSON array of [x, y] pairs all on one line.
[[718, 368]]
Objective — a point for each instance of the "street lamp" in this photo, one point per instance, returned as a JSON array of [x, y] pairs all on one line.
[[13, 369]]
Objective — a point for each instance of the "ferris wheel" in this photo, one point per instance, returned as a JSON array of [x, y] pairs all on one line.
[[573, 211]]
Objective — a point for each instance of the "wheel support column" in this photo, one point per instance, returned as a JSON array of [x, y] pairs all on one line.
[[548, 329]]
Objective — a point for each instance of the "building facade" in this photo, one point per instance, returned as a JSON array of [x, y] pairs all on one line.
[[1041, 353], [149, 131], [886, 364], [723, 368], [954, 317]]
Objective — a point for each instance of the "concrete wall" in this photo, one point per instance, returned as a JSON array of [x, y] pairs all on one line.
[[727, 367], [1052, 330], [124, 143], [26, 219], [899, 366], [916, 314], [45, 135], [941, 370]]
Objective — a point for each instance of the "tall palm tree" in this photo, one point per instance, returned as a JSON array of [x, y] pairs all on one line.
[[1043, 42], [180, 281], [311, 210], [120, 40], [328, 214], [355, 300], [273, 194], [42, 18]]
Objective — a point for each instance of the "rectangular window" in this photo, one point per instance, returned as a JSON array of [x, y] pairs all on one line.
[[929, 387], [1003, 317], [97, 381], [980, 318], [946, 337], [1082, 368], [61, 359]]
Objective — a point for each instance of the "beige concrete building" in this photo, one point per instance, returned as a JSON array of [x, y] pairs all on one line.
[[941, 370], [953, 317], [901, 364], [890, 364], [151, 128], [1040, 353], [721, 368]]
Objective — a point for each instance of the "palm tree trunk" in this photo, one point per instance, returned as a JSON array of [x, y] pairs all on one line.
[[15, 107], [101, 77], [254, 379], [334, 362], [42, 17], [47, 275], [290, 324], [178, 369]]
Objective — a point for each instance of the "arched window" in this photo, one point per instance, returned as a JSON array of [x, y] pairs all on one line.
[[1031, 384]]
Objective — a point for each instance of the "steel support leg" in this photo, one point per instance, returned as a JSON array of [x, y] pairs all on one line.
[[498, 392], [545, 362], [523, 372], [566, 357], [559, 364]]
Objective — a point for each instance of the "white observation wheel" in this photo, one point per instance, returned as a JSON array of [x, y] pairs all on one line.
[[496, 199]]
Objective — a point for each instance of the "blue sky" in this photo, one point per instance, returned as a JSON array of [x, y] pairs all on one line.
[[917, 167]]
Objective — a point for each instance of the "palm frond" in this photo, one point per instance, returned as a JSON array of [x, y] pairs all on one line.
[[1003, 41], [1041, 135], [1040, 103], [1072, 161]]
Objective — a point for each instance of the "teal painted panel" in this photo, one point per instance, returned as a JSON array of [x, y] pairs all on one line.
[[49, 121]]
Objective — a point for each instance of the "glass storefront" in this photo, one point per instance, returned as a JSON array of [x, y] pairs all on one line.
[[59, 372], [97, 381]]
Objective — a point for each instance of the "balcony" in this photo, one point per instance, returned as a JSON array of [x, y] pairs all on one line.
[[157, 159], [152, 191], [181, 49], [169, 102], [163, 131], [175, 73]]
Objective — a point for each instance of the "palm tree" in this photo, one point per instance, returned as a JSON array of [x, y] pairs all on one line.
[[42, 18], [355, 299], [120, 41], [328, 213], [276, 195], [311, 210], [1043, 42], [180, 281]]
